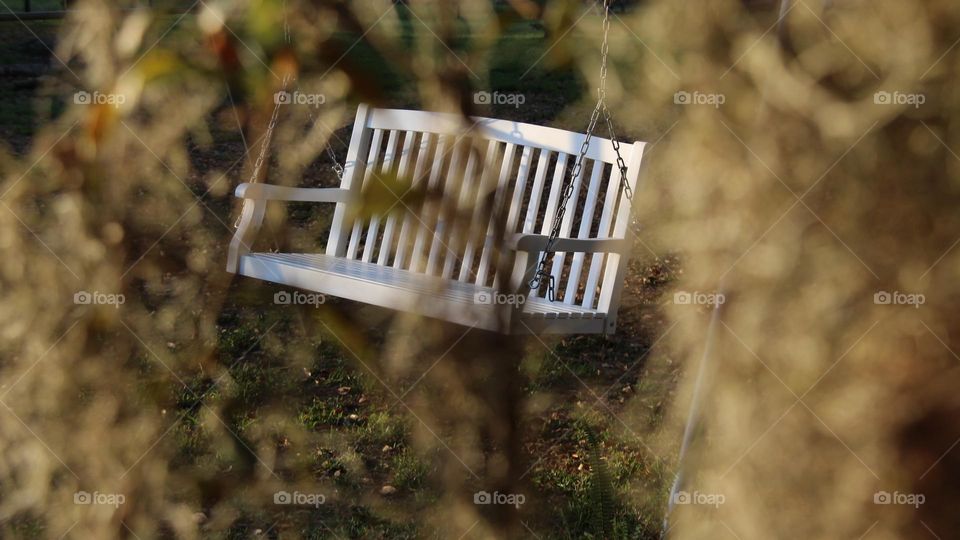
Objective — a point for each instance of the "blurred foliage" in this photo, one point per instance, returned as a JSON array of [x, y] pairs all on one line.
[[813, 186]]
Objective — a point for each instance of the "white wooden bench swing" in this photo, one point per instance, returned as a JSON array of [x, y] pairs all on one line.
[[566, 236]]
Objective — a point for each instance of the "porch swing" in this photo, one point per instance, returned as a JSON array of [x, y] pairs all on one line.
[[557, 268]]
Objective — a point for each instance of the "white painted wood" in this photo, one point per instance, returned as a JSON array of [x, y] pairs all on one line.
[[512, 212], [476, 204], [369, 170], [386, 246], [506, 131], [370, 245], [553, 200], [410, 219], [537, 242], [536, 191], [559, 257], [394, 288], [496, 211], [251, 217], [451, 189], [586, 222], [616, 268], [463, 204], [428, 220], [606, 219], [412, 266], [353, 171], [519, 188], [283, 193]]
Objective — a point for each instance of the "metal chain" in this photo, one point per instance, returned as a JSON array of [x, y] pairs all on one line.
[[267, 137], [621, 164], [337, 168], [547, 254], [271, 127], [602, 100]]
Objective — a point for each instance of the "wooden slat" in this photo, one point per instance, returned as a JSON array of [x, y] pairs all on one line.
[[520, 187], [536, 191], [410, 219], [374, 228], [488, 182], [586, 222], [368, 171], [516, 200], [451, 251], [368, 272], [613, 275], [450, 188], [567, 224], [506, 131], [503, 183], [606, 220], [425, 223], [559, 173], [386, 245], [269, 192], [353, 171]]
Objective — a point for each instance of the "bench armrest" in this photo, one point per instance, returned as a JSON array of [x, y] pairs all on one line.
[[255, 197], [268, 192], [531, 243]]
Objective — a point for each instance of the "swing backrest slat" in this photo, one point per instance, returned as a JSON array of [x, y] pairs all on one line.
[[396, 213], [410, 222], [489, 184]]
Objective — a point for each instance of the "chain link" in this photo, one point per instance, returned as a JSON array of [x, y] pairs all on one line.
[[272, 126], [337, 168], [621, 164], [270, 129], [546, 256]]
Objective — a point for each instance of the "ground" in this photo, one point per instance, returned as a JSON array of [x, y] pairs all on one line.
[[583, 460]]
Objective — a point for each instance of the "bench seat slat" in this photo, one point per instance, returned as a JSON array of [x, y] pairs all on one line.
[[437, 287]]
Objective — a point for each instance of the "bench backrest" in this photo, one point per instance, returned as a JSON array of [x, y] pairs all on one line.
[[498, 172]]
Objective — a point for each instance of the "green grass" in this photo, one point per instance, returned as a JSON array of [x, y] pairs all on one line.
[[409, 471]]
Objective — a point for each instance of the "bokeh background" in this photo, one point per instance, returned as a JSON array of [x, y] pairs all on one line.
[[803, 162]]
